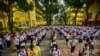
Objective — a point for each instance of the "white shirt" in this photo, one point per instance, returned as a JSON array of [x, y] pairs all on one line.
[[8, 38], [56, 53], [22, 53], [22, 38], [16, 41]]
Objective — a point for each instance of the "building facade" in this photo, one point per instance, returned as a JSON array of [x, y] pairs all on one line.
[[81, 16], [21, 19]]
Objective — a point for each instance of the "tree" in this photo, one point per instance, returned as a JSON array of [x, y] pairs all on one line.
[[50, 7], [76, 4], [7, 7], [88, 4], [3, 17], [96, 17], [63, 14]]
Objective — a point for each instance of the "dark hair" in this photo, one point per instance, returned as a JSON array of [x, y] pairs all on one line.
[[52, 40], [56, 46], [31, 46], [66, 39], [86, 44]]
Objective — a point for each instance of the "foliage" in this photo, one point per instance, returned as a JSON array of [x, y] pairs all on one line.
[[76, 4], [88, 4], [51, 7], [7, 7]]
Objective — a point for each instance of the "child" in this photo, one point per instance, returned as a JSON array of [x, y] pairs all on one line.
[[22, 51], [8, 40], [73, 45], [1, 46], [86, 51], [81, 51], [34, 50], [55, 51]]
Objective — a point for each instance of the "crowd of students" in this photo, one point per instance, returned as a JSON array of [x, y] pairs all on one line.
[[28, 42], [80, 35]]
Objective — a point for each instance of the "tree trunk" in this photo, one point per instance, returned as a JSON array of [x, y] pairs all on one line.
[[87, 16], [48, 19], [12, 24], [75, 16], [30, 25], [96, 17], [86, 9], [65, 21], [10, 18]]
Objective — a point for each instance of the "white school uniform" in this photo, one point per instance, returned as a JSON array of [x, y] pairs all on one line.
[[22, 38], [8, 38], [16, 41], [22, 53]]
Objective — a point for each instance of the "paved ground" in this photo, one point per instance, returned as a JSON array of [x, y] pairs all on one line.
[[45, 48]]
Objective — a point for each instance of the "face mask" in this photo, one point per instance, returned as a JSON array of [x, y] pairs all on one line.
[[34, 44], [54, 49]]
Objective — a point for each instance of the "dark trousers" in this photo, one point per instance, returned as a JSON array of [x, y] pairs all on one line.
[[8, 43], [1, 53], [1, 47], [72, 49], [18, 47]]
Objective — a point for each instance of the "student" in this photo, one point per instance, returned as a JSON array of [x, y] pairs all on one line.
[[86, 51], [8, 40], [43, 34], [38, 41], [67, 40], [1, 46], [17, 43], [22, 38], [80, 40], [22, 51], [34, 50], [81, 51], [73, 45], [91, 47], [53, 42], [84, 35], [55, 51]]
